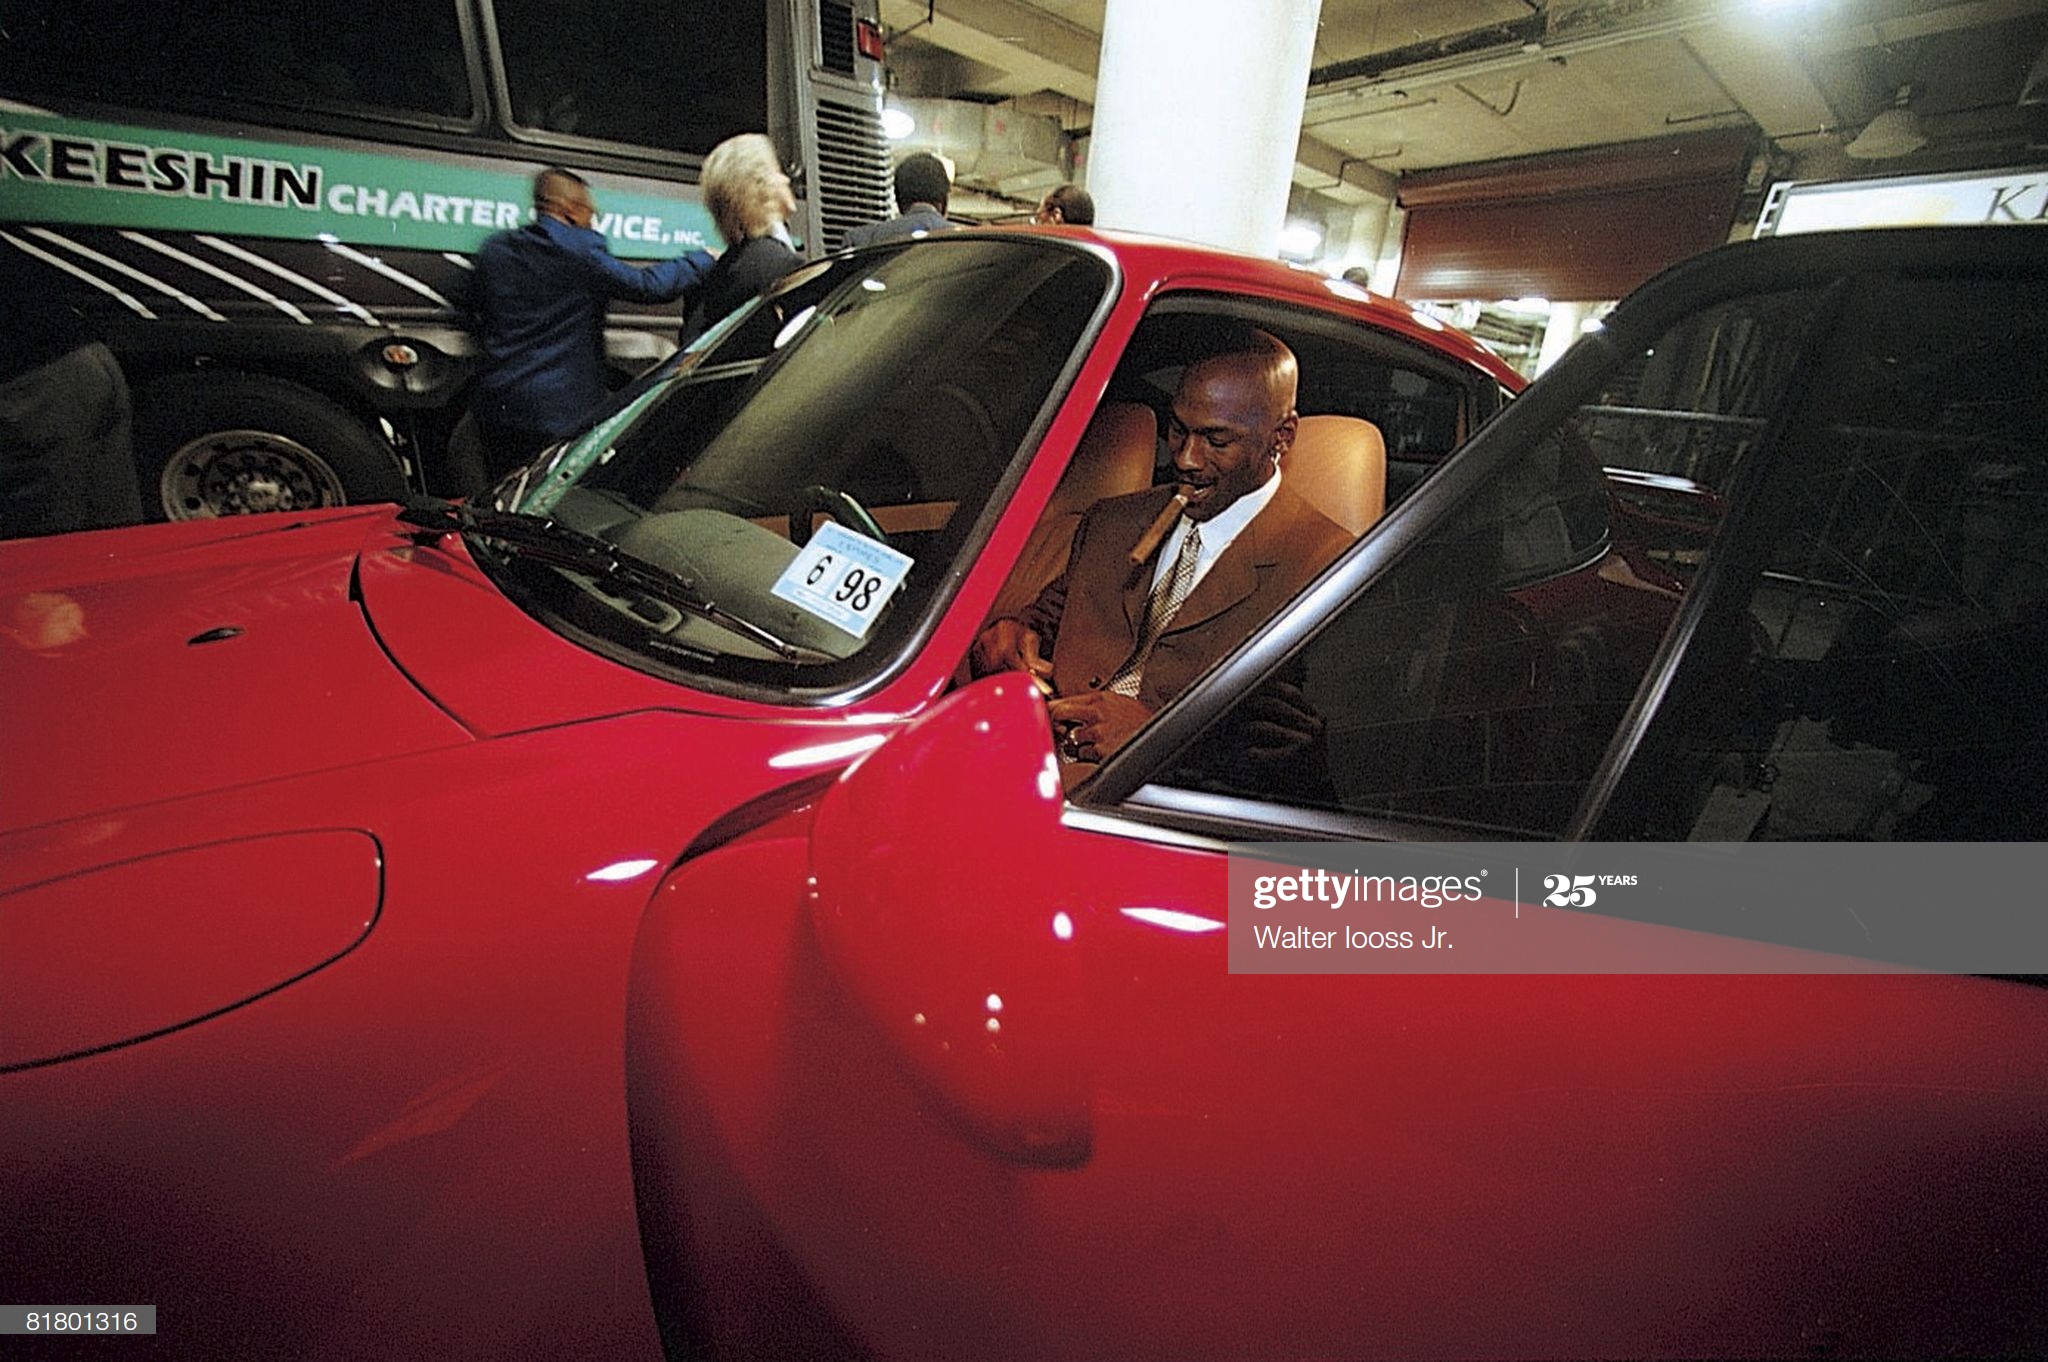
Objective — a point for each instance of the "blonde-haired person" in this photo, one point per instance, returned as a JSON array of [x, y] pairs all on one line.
[[751, 204]]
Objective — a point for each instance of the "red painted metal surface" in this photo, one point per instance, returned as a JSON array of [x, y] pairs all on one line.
[[985, 1010], [420, 1148], [155, 663], [131, 950], [1296, 1166]]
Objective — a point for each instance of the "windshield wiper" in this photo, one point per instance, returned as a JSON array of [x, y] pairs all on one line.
[[550, 541]]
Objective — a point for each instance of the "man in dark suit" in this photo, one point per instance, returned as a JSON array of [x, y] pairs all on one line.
[[537, 300], [923, 184], [1125, 628]]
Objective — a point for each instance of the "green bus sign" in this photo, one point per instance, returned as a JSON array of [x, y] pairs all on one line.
[[66, 171]]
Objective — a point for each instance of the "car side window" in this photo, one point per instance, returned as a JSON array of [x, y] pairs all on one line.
[[1478, 681], [1882, 673]]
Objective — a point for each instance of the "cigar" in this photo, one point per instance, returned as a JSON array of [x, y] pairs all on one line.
[[1148, 542]]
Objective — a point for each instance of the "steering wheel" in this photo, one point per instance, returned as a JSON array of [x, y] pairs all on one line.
[[844, 509]]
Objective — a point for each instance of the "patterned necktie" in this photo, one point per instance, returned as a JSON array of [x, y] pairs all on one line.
[[1160, 609]]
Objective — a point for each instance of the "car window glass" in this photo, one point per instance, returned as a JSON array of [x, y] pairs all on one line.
[[885, 396], [1479, 680], [1422, 403], [1886, 674], [316, 54], [616, 81]]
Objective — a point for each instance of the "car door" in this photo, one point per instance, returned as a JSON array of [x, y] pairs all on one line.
[[952, 1063]]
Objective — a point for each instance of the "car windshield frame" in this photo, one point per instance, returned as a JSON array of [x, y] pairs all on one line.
[[922, 375]]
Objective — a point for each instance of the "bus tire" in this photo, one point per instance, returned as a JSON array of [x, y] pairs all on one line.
[[234, 444]]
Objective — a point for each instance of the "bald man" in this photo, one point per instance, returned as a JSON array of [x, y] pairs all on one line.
[[1116, 640], [537, 299]]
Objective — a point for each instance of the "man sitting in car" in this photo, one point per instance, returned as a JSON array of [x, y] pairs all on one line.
[[1137, 615]]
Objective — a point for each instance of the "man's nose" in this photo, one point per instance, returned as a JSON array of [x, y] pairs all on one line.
[[1183, 451]]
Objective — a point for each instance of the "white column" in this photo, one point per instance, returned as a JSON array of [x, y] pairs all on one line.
[[1197, 114], [1562, 332]]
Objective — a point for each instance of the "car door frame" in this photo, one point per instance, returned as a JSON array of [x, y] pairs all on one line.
[[1847, 267]]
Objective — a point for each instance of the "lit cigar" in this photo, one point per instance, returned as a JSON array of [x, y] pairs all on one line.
[[1148, 542]]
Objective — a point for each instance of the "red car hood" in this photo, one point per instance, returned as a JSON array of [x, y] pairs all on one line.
[[151, 664]]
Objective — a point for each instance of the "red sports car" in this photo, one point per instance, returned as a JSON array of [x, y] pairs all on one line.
[[449, 931], [324, 839]]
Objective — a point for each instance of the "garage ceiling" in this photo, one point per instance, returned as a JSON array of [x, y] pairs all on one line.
[[1407, 85]]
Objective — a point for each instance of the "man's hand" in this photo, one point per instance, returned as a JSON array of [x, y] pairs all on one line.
[[1092, 726], [1007, 646]]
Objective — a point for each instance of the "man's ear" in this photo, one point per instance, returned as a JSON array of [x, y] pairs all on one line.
[[1283, 435]]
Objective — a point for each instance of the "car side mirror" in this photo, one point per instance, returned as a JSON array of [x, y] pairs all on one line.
[[938, 901]]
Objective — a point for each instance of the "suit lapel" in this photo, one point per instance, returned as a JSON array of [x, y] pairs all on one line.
[[1237, 574]]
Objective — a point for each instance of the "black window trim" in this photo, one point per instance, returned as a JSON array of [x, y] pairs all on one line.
[[1741, 550], [1744, 269]]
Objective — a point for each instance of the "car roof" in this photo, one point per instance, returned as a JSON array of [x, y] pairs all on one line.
[[1155, 262]]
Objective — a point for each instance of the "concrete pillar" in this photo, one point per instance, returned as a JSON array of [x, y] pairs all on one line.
[[1357, 233], [1197, 115], [1566, 322]]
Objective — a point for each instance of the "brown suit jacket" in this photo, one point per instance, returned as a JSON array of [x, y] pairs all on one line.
[[1089, 617]]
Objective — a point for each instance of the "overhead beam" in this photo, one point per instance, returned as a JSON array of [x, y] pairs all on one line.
[[1034, 49], [1904, 28], [1764, 76], [1037, 51]]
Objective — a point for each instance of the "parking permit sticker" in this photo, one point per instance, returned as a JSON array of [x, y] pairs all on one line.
[[843, 578]]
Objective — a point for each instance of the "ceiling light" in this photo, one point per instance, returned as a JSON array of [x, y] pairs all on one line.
[[1300, 240], [897, 123], [1894, 132]]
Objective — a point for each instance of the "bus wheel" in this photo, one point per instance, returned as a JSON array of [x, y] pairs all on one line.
[[233, 444]]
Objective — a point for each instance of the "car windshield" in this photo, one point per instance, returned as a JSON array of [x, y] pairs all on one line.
[[811, 474]]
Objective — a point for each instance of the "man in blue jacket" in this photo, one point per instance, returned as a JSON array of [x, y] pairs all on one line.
[[538, 301]]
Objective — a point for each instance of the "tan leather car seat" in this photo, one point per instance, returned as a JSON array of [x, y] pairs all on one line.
[[1115, 456], [1339, 463]]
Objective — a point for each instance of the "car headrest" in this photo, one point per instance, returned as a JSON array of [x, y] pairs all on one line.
[[1339, 464], [1115, 456]]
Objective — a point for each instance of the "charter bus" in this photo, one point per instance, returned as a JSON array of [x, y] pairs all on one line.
[[265, 206]]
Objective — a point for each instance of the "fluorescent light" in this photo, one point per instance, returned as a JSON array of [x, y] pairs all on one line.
[[1300, 239], [1894, 132]]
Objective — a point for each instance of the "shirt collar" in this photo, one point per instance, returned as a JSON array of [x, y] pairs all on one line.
[[1220, 532], [1229, 522]]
